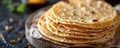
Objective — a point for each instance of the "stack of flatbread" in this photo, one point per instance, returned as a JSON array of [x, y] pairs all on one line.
[[79, 22]]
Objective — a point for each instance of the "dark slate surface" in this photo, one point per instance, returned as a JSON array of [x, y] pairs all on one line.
[[14, 36]]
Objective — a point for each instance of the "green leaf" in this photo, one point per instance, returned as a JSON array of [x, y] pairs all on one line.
[[5, 1], [21, 8], [9, 4], [11, 7]]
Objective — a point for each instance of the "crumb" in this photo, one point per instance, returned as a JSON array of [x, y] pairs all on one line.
[[8, 27], [20, 32], [18, 38], [10, 19]]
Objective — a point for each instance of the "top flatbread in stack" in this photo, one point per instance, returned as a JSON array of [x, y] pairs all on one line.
[[89, 14], [79, 22]]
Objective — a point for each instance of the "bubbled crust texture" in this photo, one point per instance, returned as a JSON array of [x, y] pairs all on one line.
[[84, 13]]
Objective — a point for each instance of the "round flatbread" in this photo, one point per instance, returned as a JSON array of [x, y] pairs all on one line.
[[94, 17], [79, 28], [43, 30]]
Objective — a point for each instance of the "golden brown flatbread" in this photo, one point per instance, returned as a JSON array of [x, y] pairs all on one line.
[[66, 14], [43, 29]]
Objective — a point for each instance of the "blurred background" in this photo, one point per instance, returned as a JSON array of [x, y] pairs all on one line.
[[13, 14]]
